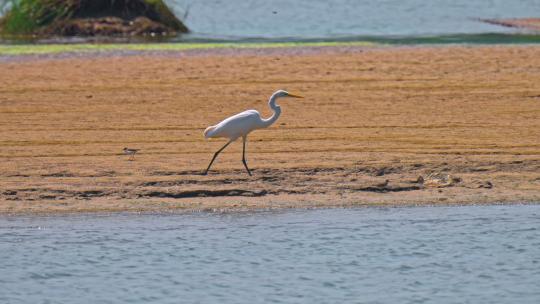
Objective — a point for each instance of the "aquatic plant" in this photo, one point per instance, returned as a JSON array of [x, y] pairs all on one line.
[[33, 49], [28, 16]]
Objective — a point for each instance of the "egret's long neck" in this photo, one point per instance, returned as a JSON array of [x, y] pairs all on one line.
[[277, 111]]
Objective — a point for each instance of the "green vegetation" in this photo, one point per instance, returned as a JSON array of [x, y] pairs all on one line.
[[26, 16], [30, 16], [67, 48]]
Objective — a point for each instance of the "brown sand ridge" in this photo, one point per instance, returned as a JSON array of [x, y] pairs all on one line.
[[377, 126]]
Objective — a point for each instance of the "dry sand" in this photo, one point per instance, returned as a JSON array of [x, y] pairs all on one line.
[[378, 126]]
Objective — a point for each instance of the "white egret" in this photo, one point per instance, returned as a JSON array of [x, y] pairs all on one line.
[[241, 124]]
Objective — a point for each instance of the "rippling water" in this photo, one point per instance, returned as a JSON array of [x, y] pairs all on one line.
[[346, 19], [474, 254], [385, 21]]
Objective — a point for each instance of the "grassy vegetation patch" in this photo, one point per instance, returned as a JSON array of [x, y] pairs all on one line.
[[79, 17]]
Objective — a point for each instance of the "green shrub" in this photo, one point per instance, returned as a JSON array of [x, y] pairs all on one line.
[[26, 16]]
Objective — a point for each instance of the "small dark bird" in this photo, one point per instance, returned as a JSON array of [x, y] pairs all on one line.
[[130, 152]]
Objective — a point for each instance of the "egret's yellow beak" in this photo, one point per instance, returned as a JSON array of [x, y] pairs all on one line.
[[295, 96]]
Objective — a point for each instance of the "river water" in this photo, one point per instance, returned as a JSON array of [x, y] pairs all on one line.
[[345, 19], [469, 254], [384, 21]]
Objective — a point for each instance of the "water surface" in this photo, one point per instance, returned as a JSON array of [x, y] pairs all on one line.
[[474, 254], [346, 19], [385, 21]]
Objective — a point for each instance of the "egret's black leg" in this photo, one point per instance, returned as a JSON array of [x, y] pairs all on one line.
[[215, 155], [244, 156]]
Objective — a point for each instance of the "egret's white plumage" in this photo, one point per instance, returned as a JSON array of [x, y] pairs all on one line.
[[241, 124], [235, 126]]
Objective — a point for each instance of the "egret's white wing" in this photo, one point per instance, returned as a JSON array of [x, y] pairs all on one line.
[[237, 125]]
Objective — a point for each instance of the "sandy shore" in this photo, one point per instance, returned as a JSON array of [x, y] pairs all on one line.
[[378, 126]]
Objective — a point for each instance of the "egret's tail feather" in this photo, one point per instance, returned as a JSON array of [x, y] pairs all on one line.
[[208, 131]]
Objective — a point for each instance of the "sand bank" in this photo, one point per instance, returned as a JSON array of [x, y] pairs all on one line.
[[378, 126]]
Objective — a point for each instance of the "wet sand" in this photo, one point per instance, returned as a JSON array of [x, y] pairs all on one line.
[[378, 126], [532, 24]]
